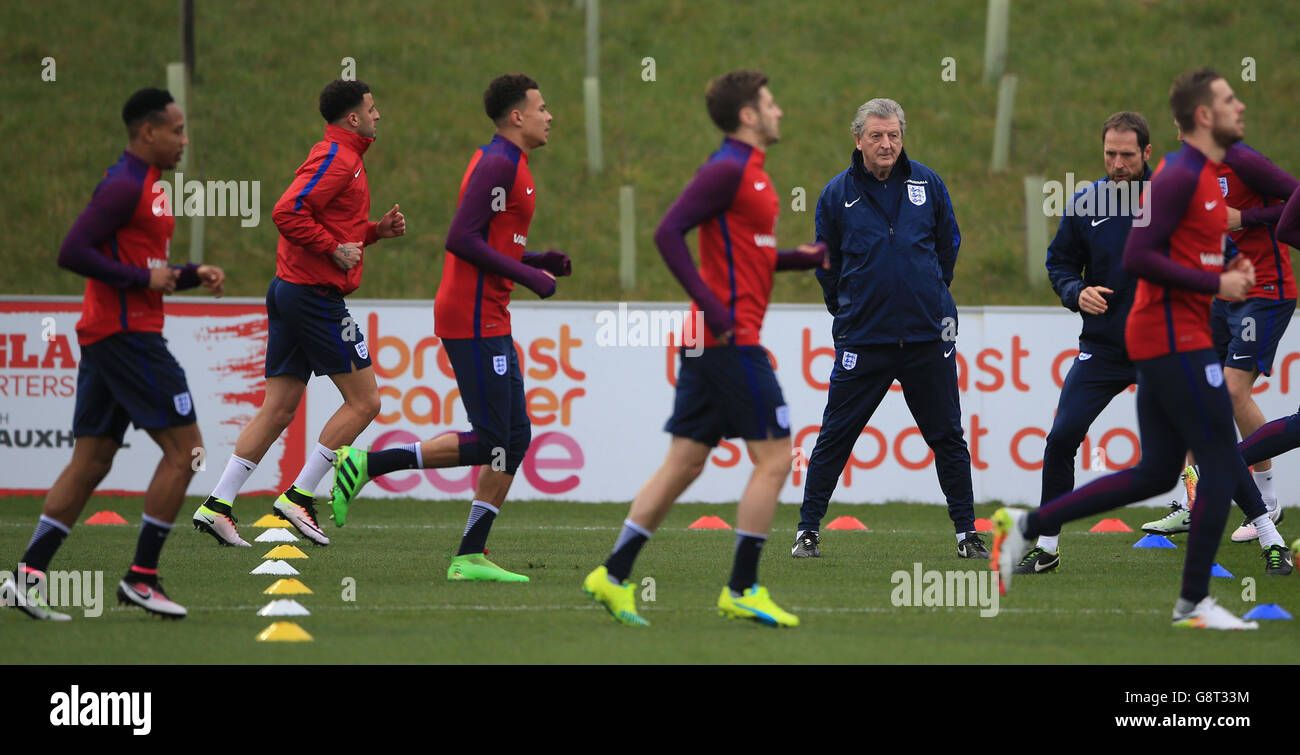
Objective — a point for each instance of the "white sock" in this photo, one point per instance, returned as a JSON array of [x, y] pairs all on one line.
[[318, 463], [963, 535], [1264, 481], [232, 480], [1268, 535], [419, 455], [1049, 543]]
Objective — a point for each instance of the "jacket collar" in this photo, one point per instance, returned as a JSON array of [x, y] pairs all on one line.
[[745, 148], [902, 167], [511, 148], [356, 142]]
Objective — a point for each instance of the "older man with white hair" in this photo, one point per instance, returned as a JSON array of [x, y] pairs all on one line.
[[889, 229]]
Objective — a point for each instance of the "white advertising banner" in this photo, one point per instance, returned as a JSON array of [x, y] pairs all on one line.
[[599, 384]]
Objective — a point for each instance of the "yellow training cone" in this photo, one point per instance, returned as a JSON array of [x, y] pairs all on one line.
[[283, 631], [285, 551], [288, 586], [268, 520]]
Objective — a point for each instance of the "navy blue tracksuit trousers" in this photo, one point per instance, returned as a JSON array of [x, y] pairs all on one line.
[[1093, 380], [859, 381], [1182, 403]]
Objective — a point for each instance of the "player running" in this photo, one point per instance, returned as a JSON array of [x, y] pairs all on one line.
[[1084, 262], [729, 389], [1181, 400], [324, 228], [1247, 334], [120, 242], [485, 259]]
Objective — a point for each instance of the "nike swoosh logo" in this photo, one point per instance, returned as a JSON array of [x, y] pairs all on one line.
[[145, 593], [1241, 356], [528, 190], [1039, 566], [1096, 223], [949, 352], [1210, 205], [1084, 356], [758, 186], [850, 204], [354, 175]]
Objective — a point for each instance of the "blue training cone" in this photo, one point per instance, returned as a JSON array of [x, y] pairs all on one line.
[[1154, 541], [1267, 611], [1219, 571]]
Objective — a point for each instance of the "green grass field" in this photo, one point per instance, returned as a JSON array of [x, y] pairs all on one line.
[[260, 67], [1109, 605]]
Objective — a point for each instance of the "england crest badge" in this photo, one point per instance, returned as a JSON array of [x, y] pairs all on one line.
[[1214, 374], [499, 364], [1223, 186], [183, 403], [849, 360], [916, 193]]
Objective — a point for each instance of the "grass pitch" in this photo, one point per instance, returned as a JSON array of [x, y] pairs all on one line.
[[1109, 604]]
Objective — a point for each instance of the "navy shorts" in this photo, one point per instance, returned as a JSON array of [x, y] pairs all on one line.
[[728, 392], [1247, 344], [492, 388], [130, 378], [310, 331]]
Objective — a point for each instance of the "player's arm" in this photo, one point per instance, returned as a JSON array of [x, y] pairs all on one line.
[[318, 181], [1144, 253], [110, 208], [1067, 258], [708, 195], [466, 237], [1261, 176], [947, 237], [826, 221], [1288, 226], [803, 257]]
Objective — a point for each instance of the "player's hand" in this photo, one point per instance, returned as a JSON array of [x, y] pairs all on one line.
[[720, 324], [555, 262], [543, 286], [163, 279], [816, 253], [392, 224], [1091, 300], [1234, 219], [1238, 279], [348, 255], [213, 278]]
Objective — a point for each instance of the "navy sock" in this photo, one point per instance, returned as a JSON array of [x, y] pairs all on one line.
[[153, 533], [481, 516], [45, 542], [626, 548], [744, 570], [392, 460]]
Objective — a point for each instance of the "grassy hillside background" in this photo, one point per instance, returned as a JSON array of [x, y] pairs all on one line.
[[260, 67]]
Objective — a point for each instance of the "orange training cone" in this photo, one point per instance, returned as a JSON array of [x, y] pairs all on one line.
[[847, 523], [709, 523], [1111, 525], [106, 517]]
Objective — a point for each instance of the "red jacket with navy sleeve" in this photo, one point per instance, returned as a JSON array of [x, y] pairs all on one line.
[[327, 204], [1178, 257]]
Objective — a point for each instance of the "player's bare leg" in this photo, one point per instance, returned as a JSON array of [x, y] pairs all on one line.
[[682, 465], [360, 406], [279, 406], [162, 500], [772, 464], [92, 457]]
